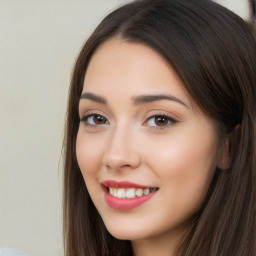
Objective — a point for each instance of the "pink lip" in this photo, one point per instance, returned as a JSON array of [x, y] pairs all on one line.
[[122, 184], [124, 203]]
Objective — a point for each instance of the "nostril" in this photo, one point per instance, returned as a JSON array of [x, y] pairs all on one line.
[[122, 161]]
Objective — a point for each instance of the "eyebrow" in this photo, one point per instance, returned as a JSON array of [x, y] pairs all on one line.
[[138, 100], [93, 97], [143, 99]]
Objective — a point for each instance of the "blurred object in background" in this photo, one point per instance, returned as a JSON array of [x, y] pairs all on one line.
[[10, 252], [243, 8], [253, 10]]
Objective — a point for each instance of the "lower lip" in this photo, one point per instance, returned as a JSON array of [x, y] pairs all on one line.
[[126, 203]]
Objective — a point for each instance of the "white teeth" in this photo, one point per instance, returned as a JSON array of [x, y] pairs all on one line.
[[129, 192], [121, 193], [139, 192], [146, 191]]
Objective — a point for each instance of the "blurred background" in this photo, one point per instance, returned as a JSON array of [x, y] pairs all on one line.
[[39, 41]]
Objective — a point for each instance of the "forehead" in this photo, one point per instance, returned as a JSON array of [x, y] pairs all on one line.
[[131, 68]]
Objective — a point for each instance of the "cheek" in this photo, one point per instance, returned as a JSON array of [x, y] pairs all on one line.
[[182, 155], [88, 152], [185, 167]]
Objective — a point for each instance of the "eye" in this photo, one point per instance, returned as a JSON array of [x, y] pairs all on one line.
[[95, 120], [160, 121]]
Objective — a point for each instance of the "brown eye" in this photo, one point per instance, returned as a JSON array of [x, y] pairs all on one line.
[[94, 120], [97, 119], [161, 121]]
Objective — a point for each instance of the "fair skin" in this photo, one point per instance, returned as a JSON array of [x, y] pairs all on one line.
[[162, 142]]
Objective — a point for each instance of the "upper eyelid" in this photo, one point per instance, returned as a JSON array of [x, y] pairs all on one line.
[[162, 115], [173, 120], [92, 114], [106, 110], [85, 112], [165, 113]]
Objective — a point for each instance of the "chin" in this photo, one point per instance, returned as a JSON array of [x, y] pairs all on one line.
[[123, 233]]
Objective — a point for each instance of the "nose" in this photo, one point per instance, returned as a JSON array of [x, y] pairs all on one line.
[[121, 152]]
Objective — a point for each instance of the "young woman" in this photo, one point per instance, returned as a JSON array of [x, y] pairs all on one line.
[[160, 134]]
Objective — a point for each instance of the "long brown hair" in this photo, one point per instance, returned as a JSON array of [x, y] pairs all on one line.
[[213, 51]]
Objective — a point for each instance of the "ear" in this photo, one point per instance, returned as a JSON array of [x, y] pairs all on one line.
[[227, 148]]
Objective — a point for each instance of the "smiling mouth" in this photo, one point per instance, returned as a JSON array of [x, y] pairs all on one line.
[[126, 195], [130, 192]]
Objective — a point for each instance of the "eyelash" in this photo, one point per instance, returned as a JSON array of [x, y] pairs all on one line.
[[170, 121], [86, 118]]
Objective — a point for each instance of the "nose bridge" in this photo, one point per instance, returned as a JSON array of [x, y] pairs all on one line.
[[121, 149]]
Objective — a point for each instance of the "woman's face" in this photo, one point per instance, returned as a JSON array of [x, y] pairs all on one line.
[[147, 154]]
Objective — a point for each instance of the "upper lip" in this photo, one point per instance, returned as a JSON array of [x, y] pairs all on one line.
[[123, 184]]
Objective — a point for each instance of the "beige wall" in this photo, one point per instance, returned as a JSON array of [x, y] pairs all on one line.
[[39, 40], [240, 7], [38, 43]]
